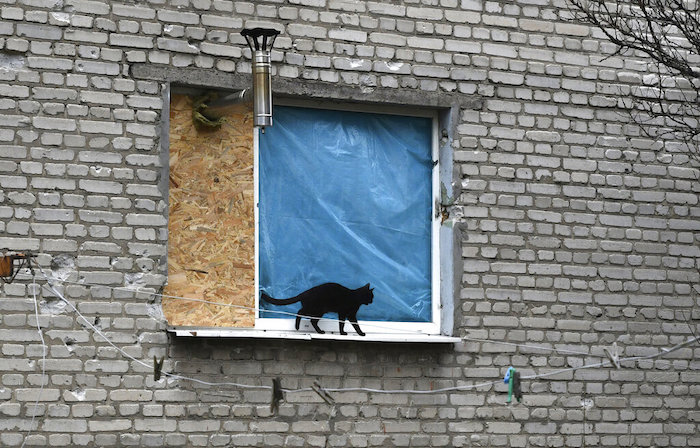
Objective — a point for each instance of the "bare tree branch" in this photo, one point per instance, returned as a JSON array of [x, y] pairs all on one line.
[[666, 104]]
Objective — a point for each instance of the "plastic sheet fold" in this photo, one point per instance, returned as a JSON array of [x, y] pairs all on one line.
[[345, 197]]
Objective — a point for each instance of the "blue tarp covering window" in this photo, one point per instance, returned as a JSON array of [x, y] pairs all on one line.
[[345, 197]]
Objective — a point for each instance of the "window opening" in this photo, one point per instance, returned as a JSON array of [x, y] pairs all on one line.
[[347, 197], [344, 195]]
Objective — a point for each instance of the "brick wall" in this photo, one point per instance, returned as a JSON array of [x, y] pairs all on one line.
[[577, 231]]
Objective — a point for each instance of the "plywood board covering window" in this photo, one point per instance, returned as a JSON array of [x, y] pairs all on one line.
[[211, 240]]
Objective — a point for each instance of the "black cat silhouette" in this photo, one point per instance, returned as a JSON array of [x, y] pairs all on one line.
[[329, 298]]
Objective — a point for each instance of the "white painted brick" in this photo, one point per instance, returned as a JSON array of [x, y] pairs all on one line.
[[306, 30], [176, 45], [38, 31], [425, 42], [100, 127], [136, 219], [143, 190], [430, 71], [506, 78], [13, 182], [574, 226], [536, 25], [98, 68], [348, 35], [572, 29], [19, 243], [392, 67], [186, 18], [85, 36], [136, 12], [49, 214], [126, 40], [500, 21], [14, 120], [220, 50], [112, 99], [388, 39], [386, 9], [59, 124], [100, 186]]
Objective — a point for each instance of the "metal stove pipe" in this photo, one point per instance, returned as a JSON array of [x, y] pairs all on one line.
[[260, 41], [262, 93]]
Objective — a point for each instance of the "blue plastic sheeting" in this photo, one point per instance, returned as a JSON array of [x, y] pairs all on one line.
[[345, 197]]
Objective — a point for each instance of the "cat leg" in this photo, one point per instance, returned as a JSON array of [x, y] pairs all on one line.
[[301, 313], [314, 322], [353, 321], [341, 324]]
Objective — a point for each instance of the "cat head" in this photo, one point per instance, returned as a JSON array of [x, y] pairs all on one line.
[[369, 294]]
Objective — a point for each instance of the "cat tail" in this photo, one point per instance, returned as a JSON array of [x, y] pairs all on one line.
[[269, 299]]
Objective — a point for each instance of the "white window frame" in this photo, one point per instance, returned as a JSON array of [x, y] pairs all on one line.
[[374, 330]]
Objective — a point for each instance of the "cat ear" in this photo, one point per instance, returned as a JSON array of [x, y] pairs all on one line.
[[366, 286], [371, 289]]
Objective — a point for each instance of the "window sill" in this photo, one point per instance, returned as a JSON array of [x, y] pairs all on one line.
[[252, 333]]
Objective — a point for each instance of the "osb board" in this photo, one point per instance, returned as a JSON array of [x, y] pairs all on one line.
[[211, 240]]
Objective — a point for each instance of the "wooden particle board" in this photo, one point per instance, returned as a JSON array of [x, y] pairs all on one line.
[[211, 227]]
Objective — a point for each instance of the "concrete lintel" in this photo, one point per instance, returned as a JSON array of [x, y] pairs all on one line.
[[193, 77], [308, 89]]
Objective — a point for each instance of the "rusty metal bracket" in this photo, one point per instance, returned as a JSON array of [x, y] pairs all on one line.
[[11, 264]]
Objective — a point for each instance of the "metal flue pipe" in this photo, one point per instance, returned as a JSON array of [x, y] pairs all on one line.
[[260, 41], [221, 106]]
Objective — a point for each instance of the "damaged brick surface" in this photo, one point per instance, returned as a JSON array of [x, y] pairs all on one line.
[[575, 231]]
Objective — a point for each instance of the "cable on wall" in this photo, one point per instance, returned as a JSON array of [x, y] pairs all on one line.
[[533, 347], [138, 361], [327, 319], [230, 305], [661, 353], [43, 360]]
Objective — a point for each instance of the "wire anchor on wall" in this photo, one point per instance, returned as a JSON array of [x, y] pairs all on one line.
[[613, 355], [157, 367], [277, 395], [10, 265], [325, 396]]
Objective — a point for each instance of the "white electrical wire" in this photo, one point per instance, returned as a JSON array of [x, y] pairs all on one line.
[[328, 319], [661, 353], [534, 347], [43, 361], [138, 361], [231, 305]]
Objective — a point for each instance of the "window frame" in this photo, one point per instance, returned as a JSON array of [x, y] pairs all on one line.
[[371, 328], [448, 110]]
